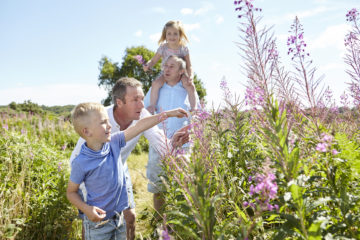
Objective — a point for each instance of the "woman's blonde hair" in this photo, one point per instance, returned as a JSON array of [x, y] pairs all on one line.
[[177, 25]]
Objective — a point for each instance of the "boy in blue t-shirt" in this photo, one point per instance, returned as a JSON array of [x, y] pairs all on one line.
[[99, 166]]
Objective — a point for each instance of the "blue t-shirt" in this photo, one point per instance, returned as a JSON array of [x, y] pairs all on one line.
[[103, 174]]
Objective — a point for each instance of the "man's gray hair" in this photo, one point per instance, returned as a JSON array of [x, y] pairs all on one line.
[[179, 60]]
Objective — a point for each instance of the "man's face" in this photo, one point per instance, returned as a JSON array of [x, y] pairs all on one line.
[[172, 70], [134, 102]]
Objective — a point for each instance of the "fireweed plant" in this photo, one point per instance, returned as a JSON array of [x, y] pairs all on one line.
[[279, 164]]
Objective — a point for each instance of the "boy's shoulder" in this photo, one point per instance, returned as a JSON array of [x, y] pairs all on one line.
[[117, 140], [81, 157]]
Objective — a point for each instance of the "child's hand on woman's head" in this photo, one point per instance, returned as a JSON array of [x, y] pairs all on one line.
[[95, 214]]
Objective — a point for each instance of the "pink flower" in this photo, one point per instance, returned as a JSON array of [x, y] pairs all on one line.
[[139, 59], [63, 147], [264, 190], [60, 166], [344, 100], [321, 147], [352, 15], [327, 138], [334, 152]]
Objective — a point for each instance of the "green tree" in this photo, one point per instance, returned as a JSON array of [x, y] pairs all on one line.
[[110, 71], [13, 105], [27, 106]]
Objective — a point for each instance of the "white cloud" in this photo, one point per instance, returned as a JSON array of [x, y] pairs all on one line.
[[190, 27], [186, 11], [195, 38], [282, 37], [138, 33], [155, 37], [333, 36], [308, 13], [57, 94], [158, 10], [206, 7], [332, 66], [321, 1], [274, 20], [219, 19]]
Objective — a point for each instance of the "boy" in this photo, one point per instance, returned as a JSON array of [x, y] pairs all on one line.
[[99, 167]]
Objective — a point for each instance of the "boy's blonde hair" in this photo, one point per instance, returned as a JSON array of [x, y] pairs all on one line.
[[81, 115], [177, 25]]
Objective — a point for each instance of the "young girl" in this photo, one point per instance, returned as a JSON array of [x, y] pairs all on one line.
[[172, 42]]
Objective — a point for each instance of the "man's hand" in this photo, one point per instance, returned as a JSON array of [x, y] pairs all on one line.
[[95, 214], [177, 112], [180, 137], [129, 216]]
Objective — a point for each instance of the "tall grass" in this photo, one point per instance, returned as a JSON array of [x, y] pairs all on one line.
[[34, 153]]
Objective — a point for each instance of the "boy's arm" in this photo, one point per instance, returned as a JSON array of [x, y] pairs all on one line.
[[95, 214], [152, 62], [150, 121]]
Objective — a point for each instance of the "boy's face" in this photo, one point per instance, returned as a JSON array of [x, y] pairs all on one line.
[[99, 127]]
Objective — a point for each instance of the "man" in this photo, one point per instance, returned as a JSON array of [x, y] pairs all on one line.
[[128, 107], [171, 95]]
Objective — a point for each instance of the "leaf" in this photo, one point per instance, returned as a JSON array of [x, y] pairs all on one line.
[[314, 231], [296, 193], [188, 230]]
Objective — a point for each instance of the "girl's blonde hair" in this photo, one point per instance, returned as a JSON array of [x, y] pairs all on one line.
[[177, 25]]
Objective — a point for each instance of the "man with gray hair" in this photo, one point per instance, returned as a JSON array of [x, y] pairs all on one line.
[[171, 95]]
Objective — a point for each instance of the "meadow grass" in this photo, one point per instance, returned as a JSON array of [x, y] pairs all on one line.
[[143, 198]]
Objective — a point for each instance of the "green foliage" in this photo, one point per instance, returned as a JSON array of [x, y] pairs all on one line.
[[34, 152], [318, 192], [110, 71], [27, 106], [33, 108], [142, 146], [205, 191]]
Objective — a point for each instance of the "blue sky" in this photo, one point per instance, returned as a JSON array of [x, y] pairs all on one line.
[[49, 50]]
